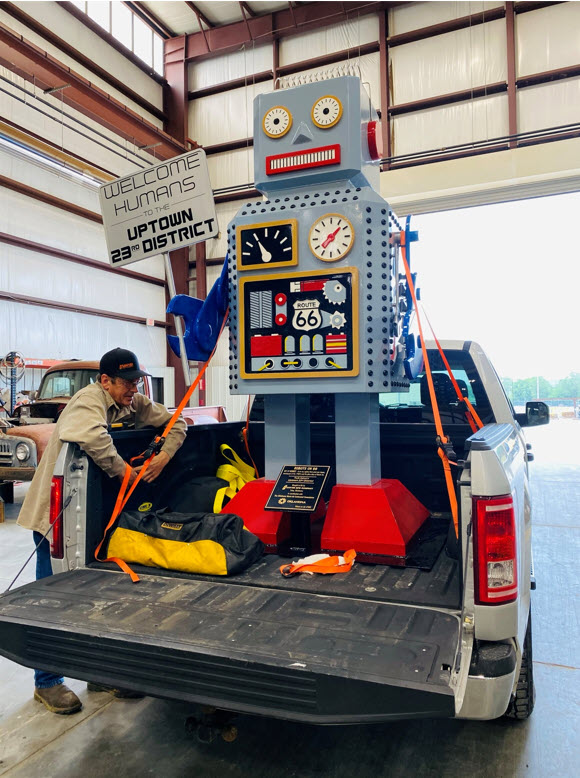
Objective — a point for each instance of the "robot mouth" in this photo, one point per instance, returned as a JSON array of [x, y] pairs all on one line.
[[299, 160]]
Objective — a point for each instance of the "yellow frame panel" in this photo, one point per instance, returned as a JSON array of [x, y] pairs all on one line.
[[294, 256], [315, 373]]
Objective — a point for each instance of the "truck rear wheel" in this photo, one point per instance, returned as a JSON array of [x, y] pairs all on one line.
[[522, 703]]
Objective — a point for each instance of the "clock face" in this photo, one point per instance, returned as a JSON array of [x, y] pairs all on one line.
[[268, 244], [331, 237], [326, 112], [277, 121]]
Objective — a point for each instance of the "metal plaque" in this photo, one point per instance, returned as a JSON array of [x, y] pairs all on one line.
[[298, 488]]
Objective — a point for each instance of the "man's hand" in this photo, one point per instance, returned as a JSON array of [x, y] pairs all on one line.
[[155, 467], [132, 476]]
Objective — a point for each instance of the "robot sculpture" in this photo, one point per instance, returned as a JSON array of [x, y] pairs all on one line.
[[317, 306]]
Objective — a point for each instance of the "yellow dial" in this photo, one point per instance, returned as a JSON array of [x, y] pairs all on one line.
[[331, 237], [326, 112], [277, 121]]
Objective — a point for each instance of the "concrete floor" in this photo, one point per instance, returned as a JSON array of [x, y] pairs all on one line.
[[147, 737]]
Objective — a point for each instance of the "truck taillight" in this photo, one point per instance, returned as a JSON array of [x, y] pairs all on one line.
[[496, 574], [55, 515]]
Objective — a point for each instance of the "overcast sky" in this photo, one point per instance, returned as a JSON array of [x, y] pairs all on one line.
[[508, 277]]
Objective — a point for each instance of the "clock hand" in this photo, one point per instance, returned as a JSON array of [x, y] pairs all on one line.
[[330, 238], [266, 256]]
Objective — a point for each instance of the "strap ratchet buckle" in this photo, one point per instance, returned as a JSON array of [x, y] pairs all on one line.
[[447, 448], [154, 447]]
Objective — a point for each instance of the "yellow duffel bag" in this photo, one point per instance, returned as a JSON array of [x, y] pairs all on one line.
[[209, 543]]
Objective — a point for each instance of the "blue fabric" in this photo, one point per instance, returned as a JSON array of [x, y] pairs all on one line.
[[43, 679]]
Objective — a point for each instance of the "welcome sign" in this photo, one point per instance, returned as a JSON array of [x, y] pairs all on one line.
[[160, 209]]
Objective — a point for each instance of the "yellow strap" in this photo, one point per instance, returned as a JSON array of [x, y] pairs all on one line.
[[246, 472], [237, 474]]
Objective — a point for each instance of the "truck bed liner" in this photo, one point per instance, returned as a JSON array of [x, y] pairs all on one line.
[[438, 587], [299, 655]]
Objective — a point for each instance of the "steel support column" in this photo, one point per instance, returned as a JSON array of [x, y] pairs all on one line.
[[201, 292], [384, 82], [175, 91], [511, 72], [180, 265], [175, 108]]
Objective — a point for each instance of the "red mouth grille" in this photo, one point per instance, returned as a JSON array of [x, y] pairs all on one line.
[[300, 160]]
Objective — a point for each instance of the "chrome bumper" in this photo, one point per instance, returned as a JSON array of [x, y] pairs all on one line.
[[17, 473]]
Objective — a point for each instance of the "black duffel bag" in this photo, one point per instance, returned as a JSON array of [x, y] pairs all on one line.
[[209, 543]]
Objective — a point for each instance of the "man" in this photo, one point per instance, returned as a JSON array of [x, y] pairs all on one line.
[[85, 420]]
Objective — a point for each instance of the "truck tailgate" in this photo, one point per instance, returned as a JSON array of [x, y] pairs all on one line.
[[293, 655]]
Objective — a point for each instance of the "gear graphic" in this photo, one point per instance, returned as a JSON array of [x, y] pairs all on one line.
[[337, 320], [334, 292]]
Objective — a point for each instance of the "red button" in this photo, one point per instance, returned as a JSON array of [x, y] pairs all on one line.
[[280, 299], [280, 319]]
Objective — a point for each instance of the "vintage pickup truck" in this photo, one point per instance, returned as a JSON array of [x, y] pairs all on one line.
[[446, 633]]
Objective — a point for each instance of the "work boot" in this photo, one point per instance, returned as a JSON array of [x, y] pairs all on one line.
[[58, 699], [120, 694]]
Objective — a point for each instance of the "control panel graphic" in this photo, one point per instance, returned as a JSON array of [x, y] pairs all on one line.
[[299, 324]]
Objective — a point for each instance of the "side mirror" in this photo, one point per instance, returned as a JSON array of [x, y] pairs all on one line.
[[537, 413], [32, 395]]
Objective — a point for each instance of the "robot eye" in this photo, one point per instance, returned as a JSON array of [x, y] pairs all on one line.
[[326, 112], [277, 121]]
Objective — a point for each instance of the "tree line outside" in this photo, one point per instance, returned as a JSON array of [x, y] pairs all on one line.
[[566, 391]]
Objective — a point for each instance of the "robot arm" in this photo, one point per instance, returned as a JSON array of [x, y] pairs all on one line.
[[202, 319], [413, 359]]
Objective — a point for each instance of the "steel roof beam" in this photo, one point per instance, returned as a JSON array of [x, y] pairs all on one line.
[[150, 19], [200, 17], [251, 13], [263, 29], [35, 65]]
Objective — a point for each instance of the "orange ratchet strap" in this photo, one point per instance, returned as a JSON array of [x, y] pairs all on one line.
[[320, 563], [246, 441], [443, 443], [148, 455], [470, 413]]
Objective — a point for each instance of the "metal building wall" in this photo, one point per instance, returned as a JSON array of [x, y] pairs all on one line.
[[55, 300]]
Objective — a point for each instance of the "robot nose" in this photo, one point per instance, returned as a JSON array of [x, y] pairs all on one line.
[[302, 135]]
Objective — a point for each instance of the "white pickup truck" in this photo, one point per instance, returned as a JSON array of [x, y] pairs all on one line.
[[449, 634]]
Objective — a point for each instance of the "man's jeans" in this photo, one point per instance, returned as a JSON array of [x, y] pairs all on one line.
[[43, 679]]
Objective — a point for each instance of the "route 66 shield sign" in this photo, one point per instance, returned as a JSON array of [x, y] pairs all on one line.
[[306, 315]]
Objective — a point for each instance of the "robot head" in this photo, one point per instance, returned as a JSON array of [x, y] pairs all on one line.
[[319, 132]]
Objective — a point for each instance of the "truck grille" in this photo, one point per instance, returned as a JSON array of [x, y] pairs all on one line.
[[5, 453]]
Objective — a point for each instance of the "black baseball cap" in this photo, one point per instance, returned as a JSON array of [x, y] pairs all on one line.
[[121, 363]]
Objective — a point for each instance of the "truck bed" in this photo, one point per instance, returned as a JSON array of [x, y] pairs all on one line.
[[438, 587]]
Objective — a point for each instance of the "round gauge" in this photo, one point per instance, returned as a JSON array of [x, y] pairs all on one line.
[[277, 121], [326, 112], [331, 237]]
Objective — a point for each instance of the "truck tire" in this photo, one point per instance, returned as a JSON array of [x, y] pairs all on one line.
[[522, 703]]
